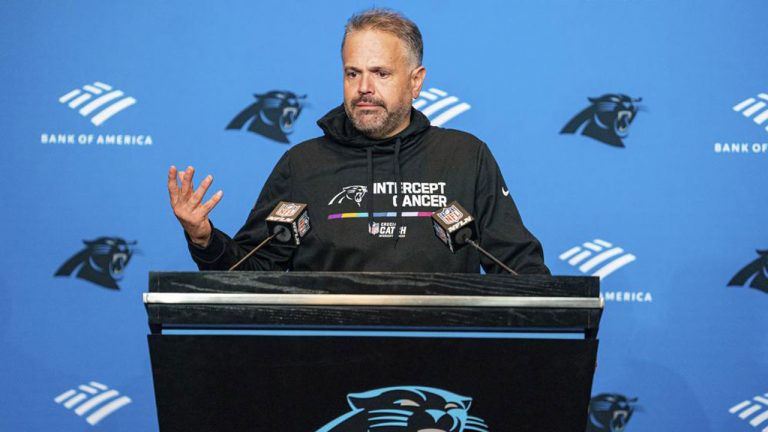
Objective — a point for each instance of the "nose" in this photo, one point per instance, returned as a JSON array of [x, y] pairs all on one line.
[[436, 414], [366, 84]]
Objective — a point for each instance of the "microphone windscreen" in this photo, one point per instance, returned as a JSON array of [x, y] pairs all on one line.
[[454, 226], [290, 221]]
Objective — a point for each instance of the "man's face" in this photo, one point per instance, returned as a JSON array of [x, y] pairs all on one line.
[[380, 81]]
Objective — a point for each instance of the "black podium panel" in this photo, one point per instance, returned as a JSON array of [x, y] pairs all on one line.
[[301, 383]]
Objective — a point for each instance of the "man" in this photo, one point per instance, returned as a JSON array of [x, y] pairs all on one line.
[[373, 180]]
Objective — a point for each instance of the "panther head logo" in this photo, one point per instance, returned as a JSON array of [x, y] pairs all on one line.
[[354, 193], [272, 115], [606, 120], [407, 409], [610, 412], [757, 271], [102, 261]]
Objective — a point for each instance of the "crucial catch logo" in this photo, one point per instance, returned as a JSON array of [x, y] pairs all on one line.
[[439, 106], [93, 400]]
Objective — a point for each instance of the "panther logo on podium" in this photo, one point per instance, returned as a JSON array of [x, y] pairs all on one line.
[[606, 120], [272, 115], [407, 408], [102, 261], [610, 412]]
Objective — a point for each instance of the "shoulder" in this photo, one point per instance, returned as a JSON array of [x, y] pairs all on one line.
[[455, 135], [307, 146], [455, 140]]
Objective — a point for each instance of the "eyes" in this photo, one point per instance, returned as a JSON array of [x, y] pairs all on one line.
[[411, 403], [378, 74]]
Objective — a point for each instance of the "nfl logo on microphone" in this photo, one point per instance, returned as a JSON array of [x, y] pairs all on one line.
[[287, 209], [450, 215]]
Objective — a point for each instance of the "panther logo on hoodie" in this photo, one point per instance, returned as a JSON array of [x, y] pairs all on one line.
[[272, 115], [353, 193]]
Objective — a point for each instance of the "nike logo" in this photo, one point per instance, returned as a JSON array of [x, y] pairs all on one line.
[[505, 191]]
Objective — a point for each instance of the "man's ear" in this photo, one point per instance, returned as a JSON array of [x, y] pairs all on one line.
[[417, 80]]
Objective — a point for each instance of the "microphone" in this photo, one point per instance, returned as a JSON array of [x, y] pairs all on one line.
[[456, 228], [288, 223]]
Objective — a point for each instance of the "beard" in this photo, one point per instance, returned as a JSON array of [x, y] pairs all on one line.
[[376, 122]]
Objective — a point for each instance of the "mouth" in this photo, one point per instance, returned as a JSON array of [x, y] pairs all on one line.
[[619, 421], [623, 119], [368, 104], [288, 118], [118, 263]]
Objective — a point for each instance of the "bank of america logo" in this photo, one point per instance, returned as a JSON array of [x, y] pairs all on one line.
[[755, 411], [95, 400], [439, 107], [754, 107], [598, 256], [103, 101]]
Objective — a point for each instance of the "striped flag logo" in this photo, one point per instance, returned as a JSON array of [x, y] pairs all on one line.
[[439, 107], [95, 400], [754, 107], [103, 101], [754, 410], [598, 256]]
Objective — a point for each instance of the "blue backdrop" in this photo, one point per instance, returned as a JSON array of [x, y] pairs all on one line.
[[99, 98]]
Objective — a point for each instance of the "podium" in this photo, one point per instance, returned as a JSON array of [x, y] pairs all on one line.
[[379, 352]]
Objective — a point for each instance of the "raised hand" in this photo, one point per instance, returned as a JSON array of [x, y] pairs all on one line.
[[186, 204]]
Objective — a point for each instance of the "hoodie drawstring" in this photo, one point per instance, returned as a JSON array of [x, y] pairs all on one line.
[[369, 154], [398, 181]]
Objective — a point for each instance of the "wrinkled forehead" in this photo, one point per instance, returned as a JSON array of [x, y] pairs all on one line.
[[370, 48]]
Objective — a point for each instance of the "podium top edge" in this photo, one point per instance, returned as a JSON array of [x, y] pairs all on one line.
[[395, 283], [371, 300], [170, 273]]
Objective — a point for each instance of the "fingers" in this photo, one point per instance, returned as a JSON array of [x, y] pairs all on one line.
[[185, 200], [173, 187], [197, 197], [186, 181], [211, 203]]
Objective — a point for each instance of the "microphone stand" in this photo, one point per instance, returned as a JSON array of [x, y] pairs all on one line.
[[253, 251], [488, 254]]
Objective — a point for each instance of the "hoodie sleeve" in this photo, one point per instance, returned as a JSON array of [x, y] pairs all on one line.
[[222, 251], [500, 226]]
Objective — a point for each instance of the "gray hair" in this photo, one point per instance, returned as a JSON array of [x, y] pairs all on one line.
[[389, 21]]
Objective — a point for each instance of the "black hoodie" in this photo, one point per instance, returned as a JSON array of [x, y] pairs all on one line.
[[370, 200]]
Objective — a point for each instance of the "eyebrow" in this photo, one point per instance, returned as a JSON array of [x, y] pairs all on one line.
[[372, 69]]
